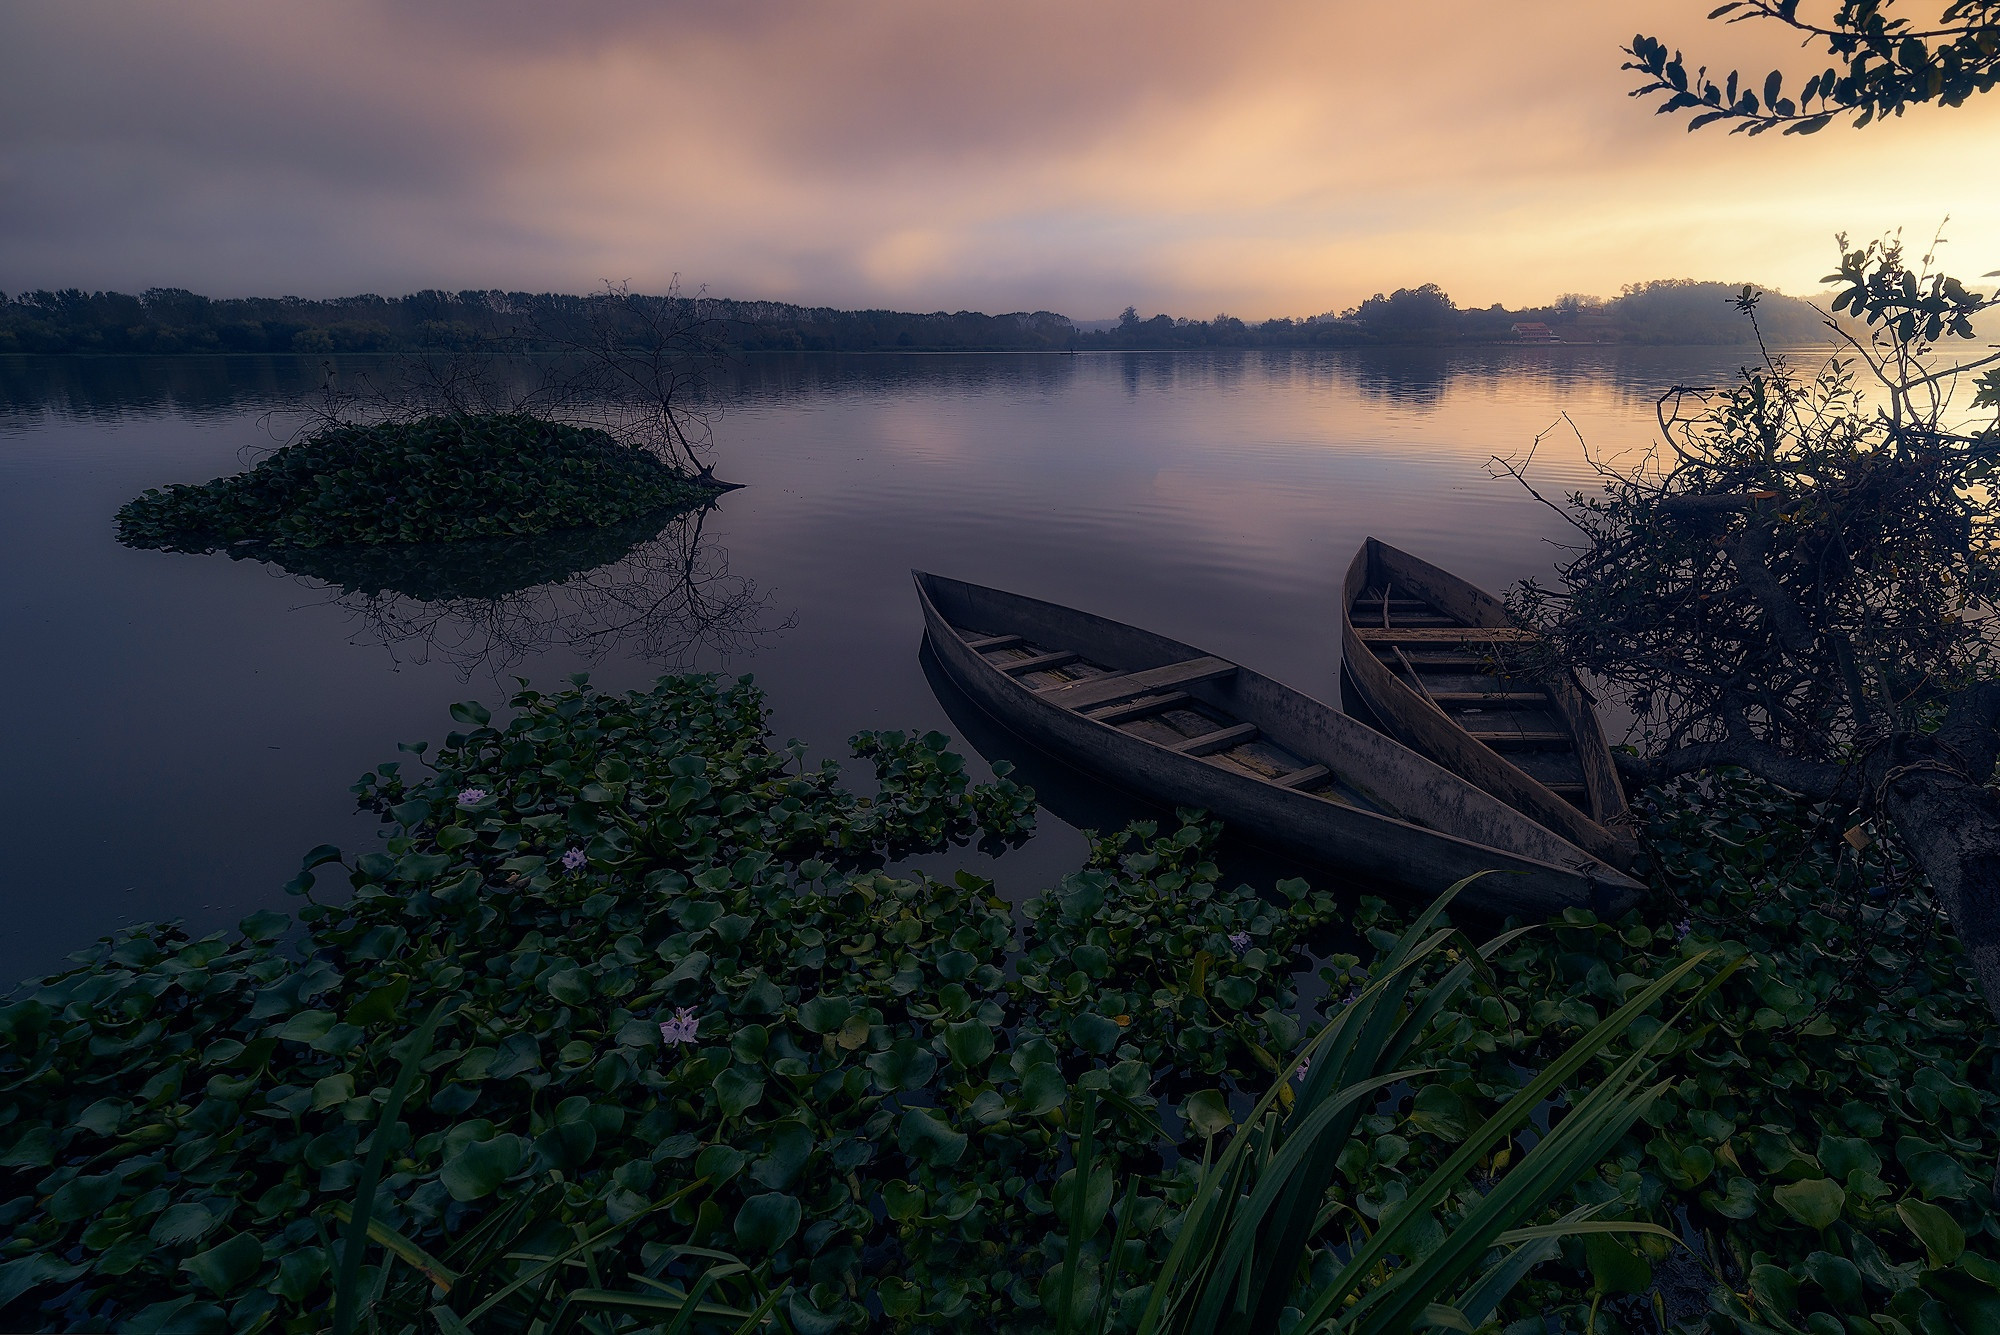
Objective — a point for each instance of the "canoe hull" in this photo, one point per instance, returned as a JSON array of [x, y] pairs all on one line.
[[1541, 873], [1418, 724]]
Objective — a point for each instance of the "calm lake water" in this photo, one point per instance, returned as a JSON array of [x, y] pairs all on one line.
[[181, 728]]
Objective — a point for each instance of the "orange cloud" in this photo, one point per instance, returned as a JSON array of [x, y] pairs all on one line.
[[1284, 158]]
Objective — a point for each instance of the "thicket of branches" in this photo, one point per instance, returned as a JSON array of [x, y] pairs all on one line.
[[1801, 579]]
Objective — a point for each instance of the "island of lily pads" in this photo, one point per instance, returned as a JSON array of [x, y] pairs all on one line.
[[435, 479]]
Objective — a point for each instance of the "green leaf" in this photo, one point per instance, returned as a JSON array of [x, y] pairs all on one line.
[[823, 1015], [791, 1146], [266, 925], [227, 1266], [767, 1222], [927, 1140], [901, 1299], [380, 1005], [904, 1066], [1093, 1033], [1932, 1171], [737, 1091], [36, 1148], [182, 1223], [570, 986], [83, 1197], [1441, 1112], [307, 1026], [903, 1201], [1841, 1155], [1043, 1089], [18, 1276], [970, 1043], [1815, 1202], [1941, 1235], [478, 1168], [331, 1090], [1207, 1112]]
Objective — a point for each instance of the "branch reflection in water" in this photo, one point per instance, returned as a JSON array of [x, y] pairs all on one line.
[[655, 588]]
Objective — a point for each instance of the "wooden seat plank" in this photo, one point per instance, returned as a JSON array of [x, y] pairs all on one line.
[[1300, 778], [1131, 709], [1104, 690], [1038, 662], [993, 642], [1444, 635], [1492, 699], [1516, 738], [1219, 740]]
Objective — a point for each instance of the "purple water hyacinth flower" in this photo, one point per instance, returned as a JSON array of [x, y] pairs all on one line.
[[1239, 941], [1681, 929], [680, 1029], [1305, 1064], [471, 797], [573, 859]]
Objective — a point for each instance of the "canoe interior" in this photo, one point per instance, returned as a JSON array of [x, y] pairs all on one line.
[[1489, 689], [1177, 719]]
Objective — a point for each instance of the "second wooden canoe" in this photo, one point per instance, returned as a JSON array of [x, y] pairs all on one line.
[[1447, 672], [1172, 724]]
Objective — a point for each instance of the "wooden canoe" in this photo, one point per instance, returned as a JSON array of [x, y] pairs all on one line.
[[1170, 723], [1445, 669]]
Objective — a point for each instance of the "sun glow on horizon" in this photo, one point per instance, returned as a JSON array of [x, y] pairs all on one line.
[[1285, 161]]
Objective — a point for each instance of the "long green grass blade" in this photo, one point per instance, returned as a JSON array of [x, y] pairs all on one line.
[[412, 1255], [582, 1301], [1101, 1313], [344, 1297], [1542, 1176], [588, 1241], [448, 1322], [1079, 1207], [1558, 1230], [1502, 1124], [1479, 1302]]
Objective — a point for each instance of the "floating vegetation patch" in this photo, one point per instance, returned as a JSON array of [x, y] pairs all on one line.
[[680, 1014], [437, 479]]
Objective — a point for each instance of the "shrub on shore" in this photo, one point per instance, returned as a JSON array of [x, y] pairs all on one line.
[[433, 479]]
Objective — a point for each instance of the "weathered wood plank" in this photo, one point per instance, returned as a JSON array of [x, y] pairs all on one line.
[[1219, 740], [1444, 635], [1131, 709], [1103, 690], [1038, 662], [1520, 738], [1492, 699], [993, 642], [1302, 778]]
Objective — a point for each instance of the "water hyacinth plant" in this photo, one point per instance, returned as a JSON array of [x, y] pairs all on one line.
[[723, 1062], [445, 478]]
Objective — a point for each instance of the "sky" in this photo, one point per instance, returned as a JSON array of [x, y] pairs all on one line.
[[1258, 159]]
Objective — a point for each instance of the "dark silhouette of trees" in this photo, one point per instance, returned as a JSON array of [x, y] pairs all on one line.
[[1802, 580], [1880, 63]]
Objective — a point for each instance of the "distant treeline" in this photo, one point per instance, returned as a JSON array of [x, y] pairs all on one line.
[[172, 320], [1669, 311]]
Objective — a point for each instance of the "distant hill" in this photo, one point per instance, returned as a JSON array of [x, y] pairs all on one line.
[[172, 320]]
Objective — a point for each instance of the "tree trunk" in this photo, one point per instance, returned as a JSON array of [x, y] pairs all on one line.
[[1950, 826]]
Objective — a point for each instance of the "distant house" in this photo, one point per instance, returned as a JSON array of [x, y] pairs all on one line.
[[1534, 331]]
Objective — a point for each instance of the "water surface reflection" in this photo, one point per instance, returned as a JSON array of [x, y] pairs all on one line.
[[185, 726]]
